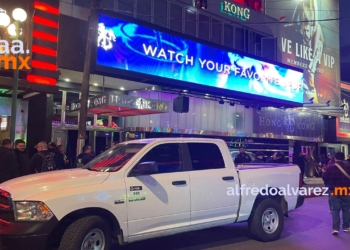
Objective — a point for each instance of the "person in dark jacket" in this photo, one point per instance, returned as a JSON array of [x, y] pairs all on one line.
[[338, 184], [63, 157], [278, 157], [259, 158], [85, 157], [58, 156], [22, 157], [242, 157], [9, 168], [36, 163]]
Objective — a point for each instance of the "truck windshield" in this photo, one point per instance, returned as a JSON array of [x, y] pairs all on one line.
[[115, 158]]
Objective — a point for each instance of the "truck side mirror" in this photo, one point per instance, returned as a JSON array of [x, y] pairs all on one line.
[[145, 168]]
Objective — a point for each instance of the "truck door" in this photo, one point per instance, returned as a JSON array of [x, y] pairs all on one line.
[[158, 192], [211, 177]]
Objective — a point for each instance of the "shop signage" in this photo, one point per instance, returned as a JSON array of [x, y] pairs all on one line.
[[122, 101], [290, 123], [234, 10], [126, 46]]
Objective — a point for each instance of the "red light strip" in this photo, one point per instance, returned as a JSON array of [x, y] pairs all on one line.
[[44, 36], [44, 65], [345, 86], [46, 8], [46, 22], [41, 79], [42, 50]]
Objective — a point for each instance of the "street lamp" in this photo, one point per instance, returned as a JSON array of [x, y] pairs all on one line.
[[15, 31]]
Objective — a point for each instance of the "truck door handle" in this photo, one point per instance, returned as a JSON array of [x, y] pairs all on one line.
[[228, 178], [176, 183]]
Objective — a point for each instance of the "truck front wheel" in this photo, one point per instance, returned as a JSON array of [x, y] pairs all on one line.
[[267, 221], [87, 233]]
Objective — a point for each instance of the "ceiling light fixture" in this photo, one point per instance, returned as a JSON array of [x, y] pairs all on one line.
[[95, 84], [122, 88], [232, 104], [67, 79], [221, 101]]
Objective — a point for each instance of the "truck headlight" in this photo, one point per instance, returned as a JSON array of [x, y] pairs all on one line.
[[32, 211]]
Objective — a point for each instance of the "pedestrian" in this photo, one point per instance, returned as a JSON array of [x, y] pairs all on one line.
[[44, 160], [242, 157], [22, 157], [9, 168], [301, 165], [63, 157], [259, 158], [58, 158], [331, 160], [85, 157], [337, 177]]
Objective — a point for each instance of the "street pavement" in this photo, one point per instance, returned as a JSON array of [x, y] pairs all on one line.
[[308, 227]]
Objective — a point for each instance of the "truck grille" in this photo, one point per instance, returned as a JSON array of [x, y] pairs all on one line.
[[6, 210]]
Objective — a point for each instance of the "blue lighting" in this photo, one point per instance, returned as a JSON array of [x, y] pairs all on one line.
[[128, 46]]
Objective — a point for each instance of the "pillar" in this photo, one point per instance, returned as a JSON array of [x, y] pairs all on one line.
[[40, 112]]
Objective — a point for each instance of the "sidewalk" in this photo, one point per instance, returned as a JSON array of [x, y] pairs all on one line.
[[313, 183]]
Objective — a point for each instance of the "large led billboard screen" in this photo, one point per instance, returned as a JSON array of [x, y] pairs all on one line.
[[128, 46], [309, 39]]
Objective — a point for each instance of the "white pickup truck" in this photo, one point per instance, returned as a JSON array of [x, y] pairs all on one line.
[[144, 189]]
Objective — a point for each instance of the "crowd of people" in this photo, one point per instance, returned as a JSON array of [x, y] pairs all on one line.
[[17, 160], [243, 157]]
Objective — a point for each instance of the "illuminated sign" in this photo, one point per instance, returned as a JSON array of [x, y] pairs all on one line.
[[233, 10], [131, 47]]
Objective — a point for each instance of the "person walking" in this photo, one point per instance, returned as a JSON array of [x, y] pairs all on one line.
[[85, 157], [9, 168], [63, 157], [302, 165], [22, 157], [337, 178], [44, 160]]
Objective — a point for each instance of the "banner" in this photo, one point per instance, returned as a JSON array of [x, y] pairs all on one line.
[[343, 126], [131, 47], [309, 39], [289, 123]]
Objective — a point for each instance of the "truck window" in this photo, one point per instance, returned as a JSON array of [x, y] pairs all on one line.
[[205, 156], [115, 158], [165, 158]]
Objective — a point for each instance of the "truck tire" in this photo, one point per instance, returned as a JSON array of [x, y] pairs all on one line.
[[90, 232], [267, 221]]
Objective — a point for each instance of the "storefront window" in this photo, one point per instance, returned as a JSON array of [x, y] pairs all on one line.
[[126, 7], [216, 31], [203, 27], [228, 35], [175, 17], [160, 12], [144, 10], [190, 22]]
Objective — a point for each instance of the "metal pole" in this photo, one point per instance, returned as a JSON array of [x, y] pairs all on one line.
[[14, 101], [86, 75], [63, 109]]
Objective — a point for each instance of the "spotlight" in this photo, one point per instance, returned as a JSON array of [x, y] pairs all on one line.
[[221, 101], [232, 104], [258, 108], [328, 102], [246, 106]]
